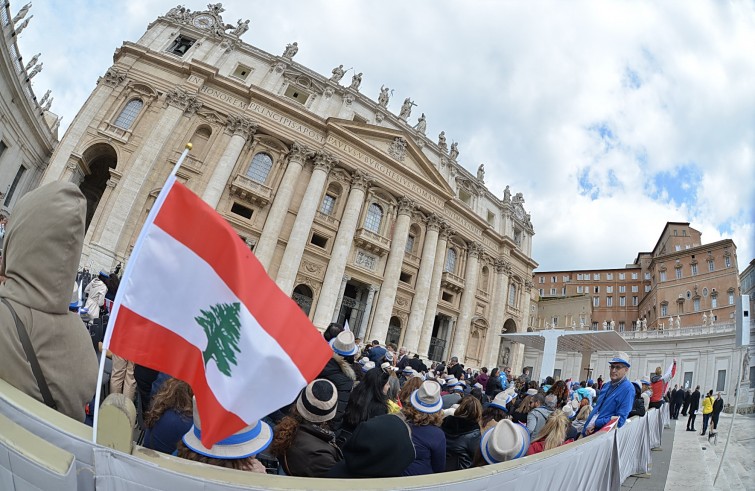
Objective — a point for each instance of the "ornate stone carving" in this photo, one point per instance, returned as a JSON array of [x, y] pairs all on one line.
[[113, 77], [311, 268], [454, 151], [291, 50], [384, 97], [397, 149], [446, 232], [180, 99], [433, 222], [348, 99], [279, 67], [72, 166], [528, 286], [360, 180], [442, 142], [338, 73], [402, 301], [421, 125], [111, 183], [299, 152], [379, 116], [475, 249], [328, 92], [502, 266], [406, 109], [420, 141], [406, 206], [325, 161], [356, 81], [32, 62], [365, 260], [241, 125]]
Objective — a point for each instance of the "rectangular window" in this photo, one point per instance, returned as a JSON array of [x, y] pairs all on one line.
[[553, 279], [635, 288], [293, 92], [711, 266], [622, 301], [622, 288], [609, 301], [319, 240], [621, 326], [596, 301], [647, 288], [579, 276], [609, 276], [688, 380], [727, 261], [622, 276], [596, 276], [647, 276], [180, 45], [447, 297], [19, 174], [731, 298], [541, 279], [579, 289], [567, 279], [328, 204], [693, 269], [563, 291], [405, 277], [241, 71], [241, 211], [714, 302], [594, 326], [664, 310], [678, 273], [696, 304], [635, 276], [555, 322], [721, 381], [663, 276], [609, 289], [634, 301], [540, 291], [553, 291], [677, 247]]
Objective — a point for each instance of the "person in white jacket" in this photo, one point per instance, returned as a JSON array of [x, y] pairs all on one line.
[[97, 291]]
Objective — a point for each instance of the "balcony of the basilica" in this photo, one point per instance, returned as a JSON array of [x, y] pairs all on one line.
[[451, 282], [190, 163], [412, 259], [328, 221], [682, 332], [110, 130], [251, 191], [372, 242]]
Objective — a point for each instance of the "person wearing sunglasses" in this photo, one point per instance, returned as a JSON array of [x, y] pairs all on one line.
[[615, 399]]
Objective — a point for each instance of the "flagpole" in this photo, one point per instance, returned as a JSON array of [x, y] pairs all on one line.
[[124, 281]]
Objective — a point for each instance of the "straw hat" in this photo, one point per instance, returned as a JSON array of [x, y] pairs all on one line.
[[247, 442], [505, 441], [501, 400], [366, 367], [427, 399], [344, 344], [620, 357], [317, 402], [452, 382]]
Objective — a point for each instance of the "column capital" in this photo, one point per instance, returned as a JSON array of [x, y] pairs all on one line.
[[528, 286], [475, 249], [373, 289], [346, 278], [241, 125], [111, 183], [502, 266], [406, 206], [113, 77], [325, 161], [299, 153], [434, 222], [181, 99], [360, 180]]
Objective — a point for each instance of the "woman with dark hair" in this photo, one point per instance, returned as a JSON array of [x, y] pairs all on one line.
[[303, 442], [368, 399], [494, 385], [170, 416], [561, 391], [331, 331], [462, 431], [495, 411]]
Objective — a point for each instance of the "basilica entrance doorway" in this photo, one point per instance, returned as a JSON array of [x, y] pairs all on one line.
[[98, 159], [439, 338], [353, 305]]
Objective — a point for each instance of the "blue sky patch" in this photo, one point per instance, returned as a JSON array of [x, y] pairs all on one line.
[[586, 187], [632, 79], [680, 184]]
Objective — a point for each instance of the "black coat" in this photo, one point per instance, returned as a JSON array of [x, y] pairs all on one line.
[[338, 371], [718, 406], [686, 397], [462, 441], [694, 401], [456, 370], [493, 387], [678, 397], [312, 453]]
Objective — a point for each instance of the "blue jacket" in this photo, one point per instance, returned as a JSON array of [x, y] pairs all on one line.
[[612, 401]]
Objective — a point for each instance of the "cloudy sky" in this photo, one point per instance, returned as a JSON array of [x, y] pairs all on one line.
[[611, 117]]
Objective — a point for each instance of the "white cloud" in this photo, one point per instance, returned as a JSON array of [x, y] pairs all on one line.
[[522, 86]]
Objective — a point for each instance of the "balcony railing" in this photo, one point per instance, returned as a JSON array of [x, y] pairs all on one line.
[[681, 332], [370, 241], [451, 282], [327, 220], [117, 132], [412, 258], [250, 191]]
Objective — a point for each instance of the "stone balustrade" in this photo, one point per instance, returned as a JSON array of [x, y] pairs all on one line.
[[250, 190], [716, 329], [372, 242]]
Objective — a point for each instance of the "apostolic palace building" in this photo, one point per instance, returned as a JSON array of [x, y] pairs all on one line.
[[353, 210]]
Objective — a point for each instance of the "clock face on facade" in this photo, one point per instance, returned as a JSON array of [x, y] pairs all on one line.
[[203, 21]]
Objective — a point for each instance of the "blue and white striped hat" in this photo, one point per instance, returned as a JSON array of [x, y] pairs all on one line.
[[427, 399]]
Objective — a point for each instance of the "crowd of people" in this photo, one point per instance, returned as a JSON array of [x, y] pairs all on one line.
[[373, 411]]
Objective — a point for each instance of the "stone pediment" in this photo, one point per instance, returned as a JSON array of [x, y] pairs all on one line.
[[393, 148]]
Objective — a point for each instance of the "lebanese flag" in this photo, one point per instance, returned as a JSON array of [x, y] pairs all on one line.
[[195, 303]]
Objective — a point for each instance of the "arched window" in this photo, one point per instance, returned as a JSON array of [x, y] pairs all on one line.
[[303, 297], [199, 140], [450, 261], [128, 114], [513, 294], [484, 279], [394, 331], [374, 218], [260, 167], [328, 205]]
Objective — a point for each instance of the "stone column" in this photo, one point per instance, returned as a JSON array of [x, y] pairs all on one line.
[[97, 101], [497, 316], [461, 338], [326, 304], [432, 304], [387, 296], [279, 208], [367, 311], [423, 285], [339, 298], [241, 129], [102, 206], [297, 241], [142, 164]]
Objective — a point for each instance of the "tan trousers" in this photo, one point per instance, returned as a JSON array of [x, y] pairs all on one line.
[[122, 379]]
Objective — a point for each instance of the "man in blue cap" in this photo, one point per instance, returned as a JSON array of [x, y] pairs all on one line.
[[615, 399]]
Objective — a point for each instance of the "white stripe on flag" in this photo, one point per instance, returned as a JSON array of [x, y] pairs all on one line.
[[171, 293]]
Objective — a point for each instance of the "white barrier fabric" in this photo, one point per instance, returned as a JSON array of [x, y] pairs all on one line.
[[633, 444], [81, 449], [19, 472]]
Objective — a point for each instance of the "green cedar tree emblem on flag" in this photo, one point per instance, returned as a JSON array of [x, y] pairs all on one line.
[[223, 327]]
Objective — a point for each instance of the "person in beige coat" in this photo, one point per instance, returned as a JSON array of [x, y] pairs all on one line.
[[42, 248]]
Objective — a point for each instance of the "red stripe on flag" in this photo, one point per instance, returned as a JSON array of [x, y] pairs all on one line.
[[199, 227], [135, 338]]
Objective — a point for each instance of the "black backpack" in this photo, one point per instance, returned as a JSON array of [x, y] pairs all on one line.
[[638, 408]]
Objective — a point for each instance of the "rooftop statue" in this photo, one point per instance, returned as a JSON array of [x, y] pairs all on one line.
[[338, 73], [291, 50]]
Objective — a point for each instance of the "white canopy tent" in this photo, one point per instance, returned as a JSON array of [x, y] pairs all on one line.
[[554, 341]]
